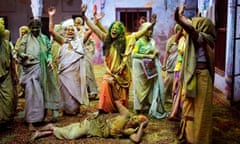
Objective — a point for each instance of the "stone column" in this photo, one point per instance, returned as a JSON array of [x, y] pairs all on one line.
[[230, 53]]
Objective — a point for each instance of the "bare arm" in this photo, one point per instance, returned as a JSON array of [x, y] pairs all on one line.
[[122, 110], [142, 32], [101, 35], [141, 56], [57, 37], [183, 21], [136, 137], [97, 17], [130, 131], [150, 55], [87, 35]]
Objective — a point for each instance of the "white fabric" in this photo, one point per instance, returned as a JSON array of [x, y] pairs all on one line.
[[68, 22], [37, 6]]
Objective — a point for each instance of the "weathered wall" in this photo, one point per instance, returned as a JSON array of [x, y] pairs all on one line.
[[16, 13], [163, 9], [19, 12]]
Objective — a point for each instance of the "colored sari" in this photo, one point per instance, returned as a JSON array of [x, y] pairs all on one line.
[[197, 92], [7, 99], [115, 86], [148, 92]]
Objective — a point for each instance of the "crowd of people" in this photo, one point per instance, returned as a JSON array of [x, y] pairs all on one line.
[[56, 77]]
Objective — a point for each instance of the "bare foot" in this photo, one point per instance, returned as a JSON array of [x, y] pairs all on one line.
[[99, 16], [47, 127]]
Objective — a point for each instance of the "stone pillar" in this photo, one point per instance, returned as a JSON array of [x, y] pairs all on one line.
[[230, 51]]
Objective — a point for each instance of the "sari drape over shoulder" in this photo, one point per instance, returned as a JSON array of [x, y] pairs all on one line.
[[41, 91], [7, 108], [72, 76], [115, 86], [197, 92], [148, 92]]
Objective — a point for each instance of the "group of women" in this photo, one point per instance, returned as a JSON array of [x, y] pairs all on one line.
[[128, 58]]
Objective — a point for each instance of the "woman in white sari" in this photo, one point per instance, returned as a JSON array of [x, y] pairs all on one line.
[[71, 68]]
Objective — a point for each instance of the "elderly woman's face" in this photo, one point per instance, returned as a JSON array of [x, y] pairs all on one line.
[[70, 32], [23, 32]]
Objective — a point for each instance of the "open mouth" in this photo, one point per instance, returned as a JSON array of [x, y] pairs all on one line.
[[114, 33], [70, 35]]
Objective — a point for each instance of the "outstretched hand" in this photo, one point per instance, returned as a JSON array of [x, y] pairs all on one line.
[[181, 10], [97, 17], [51, 11], [178, 12]]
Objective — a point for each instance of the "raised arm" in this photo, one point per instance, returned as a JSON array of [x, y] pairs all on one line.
[[97, 17], [87, 35], [140, 33], [56, 36], [183, 21], [101, 35]]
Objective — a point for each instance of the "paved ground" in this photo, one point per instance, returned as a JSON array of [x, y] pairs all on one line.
[[226, 128]]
